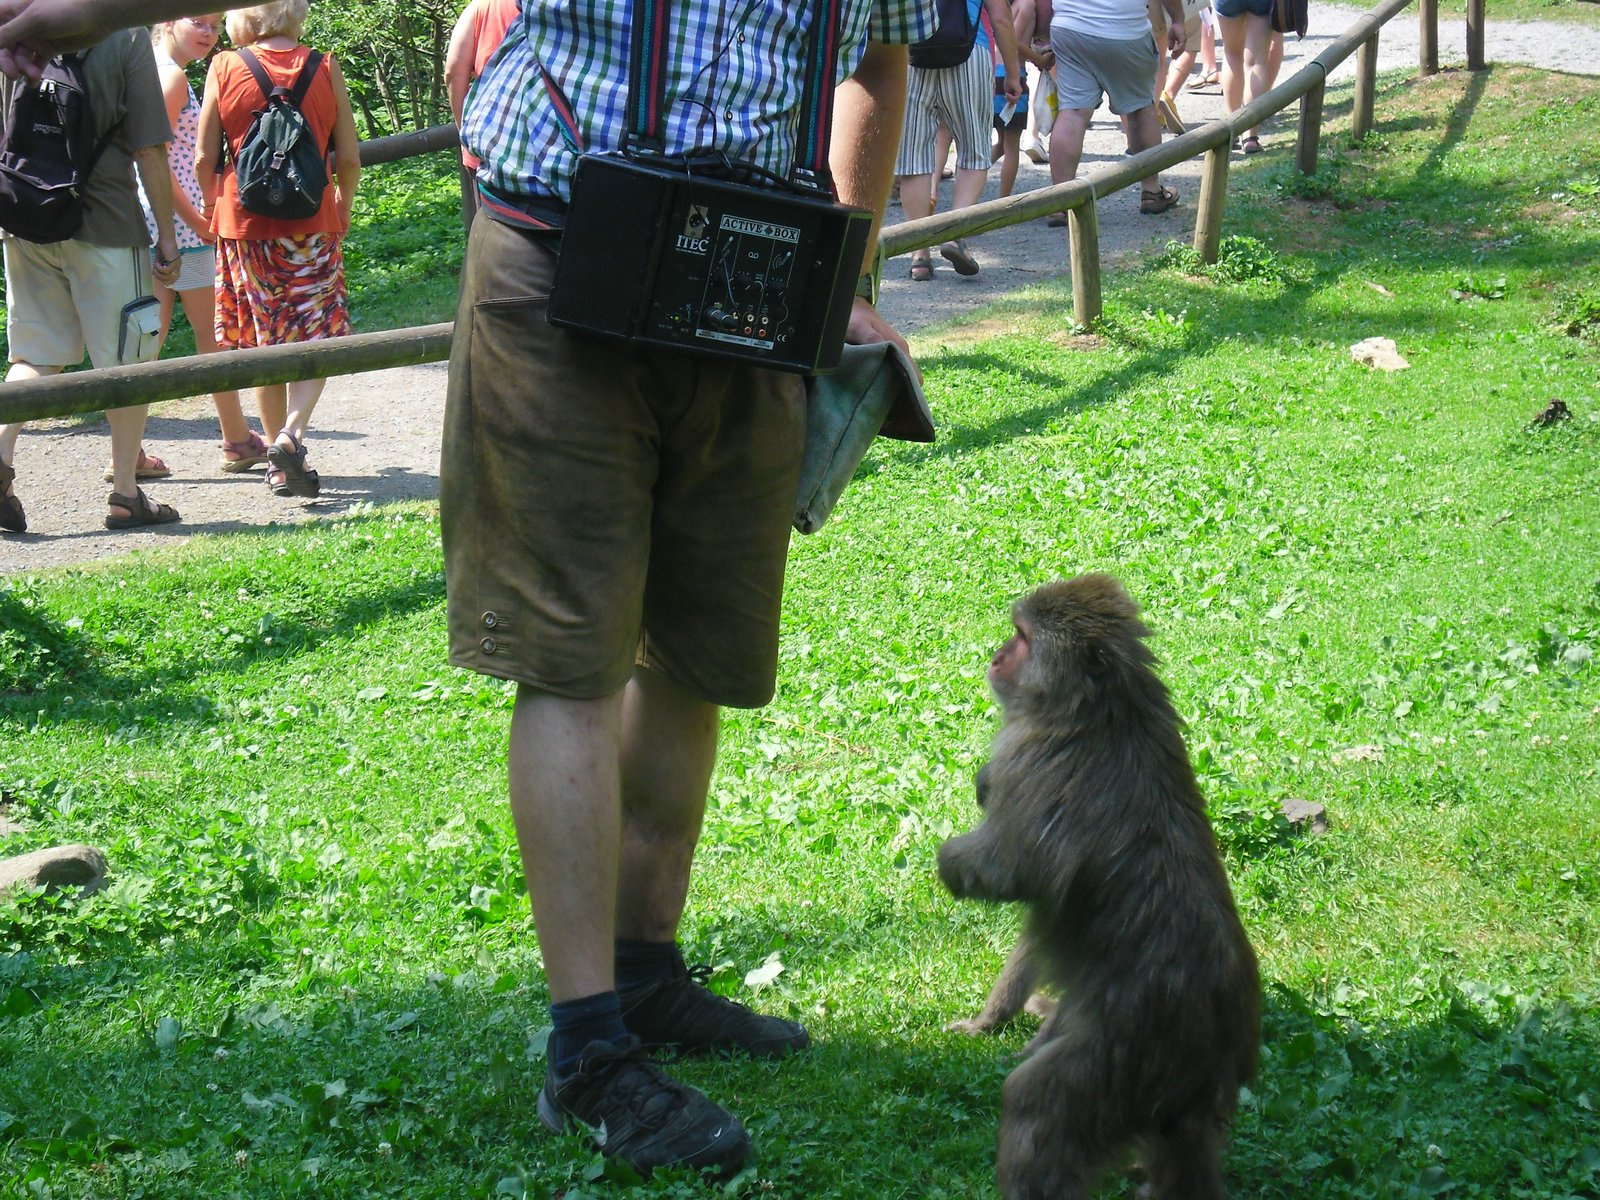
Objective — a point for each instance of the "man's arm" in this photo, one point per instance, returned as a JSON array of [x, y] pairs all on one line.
[[1176, 38], [156, 176], [868, 111], [34, 31]]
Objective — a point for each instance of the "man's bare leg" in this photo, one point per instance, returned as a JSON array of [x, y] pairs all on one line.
[[1144, 131], [668, 750], [1066, 141], [566, 803]]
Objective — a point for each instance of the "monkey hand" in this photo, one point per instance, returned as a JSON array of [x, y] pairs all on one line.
[[967, 867], [971, 1026]]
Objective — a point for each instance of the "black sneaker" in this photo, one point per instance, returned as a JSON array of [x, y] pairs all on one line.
[[681, 1014], [635, 1112]]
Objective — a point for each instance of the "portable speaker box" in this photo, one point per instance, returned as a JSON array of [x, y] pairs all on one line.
[[667, 257]]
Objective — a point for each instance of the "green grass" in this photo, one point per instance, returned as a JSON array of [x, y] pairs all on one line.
[[1576, 12], [314, 972]]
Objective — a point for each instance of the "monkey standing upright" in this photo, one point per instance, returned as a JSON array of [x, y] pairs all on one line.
[[1092, 817]]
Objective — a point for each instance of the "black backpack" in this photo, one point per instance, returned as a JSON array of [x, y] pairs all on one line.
[[47, 152], [952, 42], [281, 170]]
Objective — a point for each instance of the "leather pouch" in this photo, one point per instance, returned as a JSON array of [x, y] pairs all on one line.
[[873, 392]]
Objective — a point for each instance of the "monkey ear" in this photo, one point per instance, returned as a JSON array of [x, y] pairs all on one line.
[[1096, 665]]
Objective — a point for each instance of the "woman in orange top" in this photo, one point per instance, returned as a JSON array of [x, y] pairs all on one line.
[[278, 280]]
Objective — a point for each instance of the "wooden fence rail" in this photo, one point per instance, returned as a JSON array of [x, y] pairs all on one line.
[[114, 387]]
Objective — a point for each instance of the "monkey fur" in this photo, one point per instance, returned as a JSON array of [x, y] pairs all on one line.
[[1093, 819]]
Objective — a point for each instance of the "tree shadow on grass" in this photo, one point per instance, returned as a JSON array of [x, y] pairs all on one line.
[[428, 1088], [1400, 219], [50, 660]]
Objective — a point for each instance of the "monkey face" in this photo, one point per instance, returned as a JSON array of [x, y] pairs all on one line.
[[1009, 660]]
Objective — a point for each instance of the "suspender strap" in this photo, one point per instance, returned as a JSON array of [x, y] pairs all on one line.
[[647, 86], [647, 76], [816, 104]]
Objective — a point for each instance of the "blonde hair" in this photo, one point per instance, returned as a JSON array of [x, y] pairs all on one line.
[[282, 18]]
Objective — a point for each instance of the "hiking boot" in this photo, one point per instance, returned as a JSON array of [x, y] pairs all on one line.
[[635, 1112], [684, 1016]]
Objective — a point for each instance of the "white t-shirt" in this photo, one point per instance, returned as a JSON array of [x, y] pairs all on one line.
[[1115, 20]]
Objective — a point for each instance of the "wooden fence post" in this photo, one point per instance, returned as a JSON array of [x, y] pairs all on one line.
[[1428, 32], [1474, 35], [1305, 157], [1366, 88], [1213, 198], [1083, 231]]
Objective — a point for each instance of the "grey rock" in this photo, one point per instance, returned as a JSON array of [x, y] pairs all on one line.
[[55, 867], [1305, 817]]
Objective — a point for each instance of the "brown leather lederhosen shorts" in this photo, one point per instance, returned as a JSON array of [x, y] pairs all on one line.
[[603, 505]]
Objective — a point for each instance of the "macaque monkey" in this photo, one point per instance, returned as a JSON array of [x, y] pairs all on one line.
[[1092, 818]]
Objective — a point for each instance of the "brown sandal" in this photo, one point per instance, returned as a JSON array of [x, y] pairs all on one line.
[[292, 477], [11, 515], [1158, 201], [141, 511]]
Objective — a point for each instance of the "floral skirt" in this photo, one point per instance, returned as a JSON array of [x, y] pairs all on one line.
[[281, 290]]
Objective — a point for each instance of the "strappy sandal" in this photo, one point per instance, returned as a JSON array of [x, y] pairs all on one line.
[[1157, 201], [1250, 144], [956, 254], [251, 452], [141, 511], [287, 473], [148, 467], [11, 515], [922, 269], [1211, 80]]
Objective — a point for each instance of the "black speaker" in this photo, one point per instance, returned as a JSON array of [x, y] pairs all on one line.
[[685, 260]]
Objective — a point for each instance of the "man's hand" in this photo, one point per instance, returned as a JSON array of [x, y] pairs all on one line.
[[165, 262], [1013, 87], [867, 326], [1177, 42], [32, 32]]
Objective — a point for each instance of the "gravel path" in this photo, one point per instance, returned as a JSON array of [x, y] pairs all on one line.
[[375, 437]]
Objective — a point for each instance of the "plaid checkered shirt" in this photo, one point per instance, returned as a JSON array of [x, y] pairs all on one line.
[[735, 77]]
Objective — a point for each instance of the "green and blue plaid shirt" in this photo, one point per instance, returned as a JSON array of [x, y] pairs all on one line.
[[735, 78]]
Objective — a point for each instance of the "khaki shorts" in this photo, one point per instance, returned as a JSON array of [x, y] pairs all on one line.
[[604, 506], [68, 296]]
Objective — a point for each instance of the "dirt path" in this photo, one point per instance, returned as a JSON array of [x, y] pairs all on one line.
[[375, 437]]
